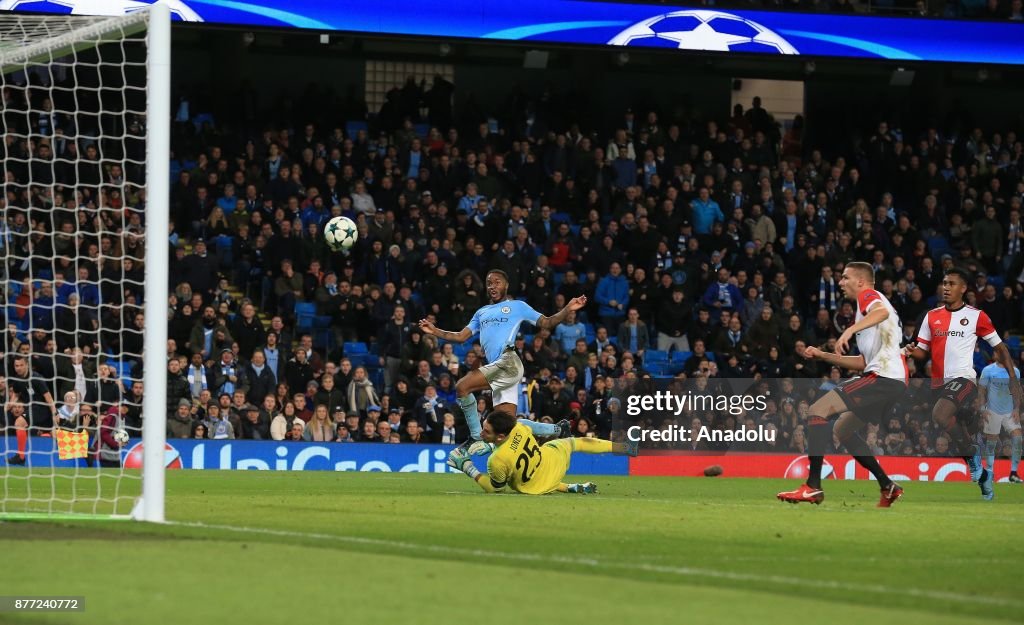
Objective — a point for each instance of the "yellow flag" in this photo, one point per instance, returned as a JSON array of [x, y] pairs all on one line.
[[72, 444]]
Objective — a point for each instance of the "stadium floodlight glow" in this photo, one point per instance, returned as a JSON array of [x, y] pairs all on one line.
[[77, 64]]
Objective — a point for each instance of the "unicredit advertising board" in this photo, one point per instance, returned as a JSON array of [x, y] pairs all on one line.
[[605, 24], [282, 456], [188, 453], [839, 467]]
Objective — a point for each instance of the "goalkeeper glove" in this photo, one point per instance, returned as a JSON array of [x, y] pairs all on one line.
[[460, 461], [479, 448]]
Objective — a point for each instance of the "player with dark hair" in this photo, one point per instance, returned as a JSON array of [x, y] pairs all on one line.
[[498, 324], [862, 399], [527, 467], [948, 335]]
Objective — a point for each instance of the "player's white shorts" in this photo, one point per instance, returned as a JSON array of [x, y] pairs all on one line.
[[504, 375], [996, 422]]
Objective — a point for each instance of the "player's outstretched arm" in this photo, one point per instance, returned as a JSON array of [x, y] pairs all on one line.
[[1005, 360], [461, 460], [550, 323], [853, 363], [913, 350], [873, 318], [461, 336]]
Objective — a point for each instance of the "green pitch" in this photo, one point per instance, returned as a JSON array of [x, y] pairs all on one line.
[[262, 548]]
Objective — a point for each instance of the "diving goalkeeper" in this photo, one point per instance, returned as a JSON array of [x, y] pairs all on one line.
[[526, 467]]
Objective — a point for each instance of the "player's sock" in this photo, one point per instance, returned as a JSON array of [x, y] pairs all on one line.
[[468, 405], [1014, 452], [818, 435], [990, 453], [860, 451], [592, 445], [22, 435], [539, 428]]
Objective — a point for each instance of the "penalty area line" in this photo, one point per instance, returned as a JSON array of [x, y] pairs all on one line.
[[681, 571]]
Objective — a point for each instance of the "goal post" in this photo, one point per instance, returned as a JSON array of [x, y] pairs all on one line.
[[86, 150]]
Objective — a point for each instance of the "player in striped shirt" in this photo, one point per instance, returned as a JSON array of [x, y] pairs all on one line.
[[948, 336], [863, 399]]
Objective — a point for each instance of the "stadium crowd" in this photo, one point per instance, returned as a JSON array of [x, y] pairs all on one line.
[[706, 248]]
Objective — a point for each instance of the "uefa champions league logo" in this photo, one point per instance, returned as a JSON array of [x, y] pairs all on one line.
[[703, 30], [179, 9]]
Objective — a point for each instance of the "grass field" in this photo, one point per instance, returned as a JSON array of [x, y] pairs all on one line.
[[276, 547]]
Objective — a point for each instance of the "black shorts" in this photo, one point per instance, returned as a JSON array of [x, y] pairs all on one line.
[[870, 396], [960, 391]]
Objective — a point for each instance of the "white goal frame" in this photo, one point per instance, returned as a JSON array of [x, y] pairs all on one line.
[[156, 20]]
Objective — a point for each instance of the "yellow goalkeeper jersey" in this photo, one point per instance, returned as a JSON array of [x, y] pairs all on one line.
[[525, 466]]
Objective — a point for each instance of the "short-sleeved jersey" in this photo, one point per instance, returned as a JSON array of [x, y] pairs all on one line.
[[498, 324], [518, 463], [950, 336], [880, 344], [996, 382]]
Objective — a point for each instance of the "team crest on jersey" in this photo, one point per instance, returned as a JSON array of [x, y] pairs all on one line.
[[964, 321], [506, 309]]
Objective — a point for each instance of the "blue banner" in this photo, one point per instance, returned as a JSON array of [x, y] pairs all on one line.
[[607, 24], [286, 456]]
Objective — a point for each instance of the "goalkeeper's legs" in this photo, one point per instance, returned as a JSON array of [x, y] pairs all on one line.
[[601, 446]]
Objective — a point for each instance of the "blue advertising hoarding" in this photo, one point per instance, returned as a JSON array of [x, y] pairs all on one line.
[[609, 24], [286, 456]]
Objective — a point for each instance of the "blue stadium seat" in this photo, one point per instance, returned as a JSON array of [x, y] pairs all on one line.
[[422, 130], [304, 313], [938, 247], [352, 127], [997, 281], [655, 356], [356, 347], [681, 357], [561, 217]]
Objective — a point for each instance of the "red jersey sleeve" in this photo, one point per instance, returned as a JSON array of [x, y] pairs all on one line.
[[866, 299], [987, 330]]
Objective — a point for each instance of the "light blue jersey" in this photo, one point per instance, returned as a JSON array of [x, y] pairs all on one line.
[[498, 324], [997, 383]]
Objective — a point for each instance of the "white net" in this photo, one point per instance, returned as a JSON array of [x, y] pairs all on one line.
[[73, 252]]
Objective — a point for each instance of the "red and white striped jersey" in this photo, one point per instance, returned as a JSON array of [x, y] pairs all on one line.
[[880, 344], [950, 336]]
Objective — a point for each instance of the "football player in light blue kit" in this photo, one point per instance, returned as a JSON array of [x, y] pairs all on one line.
[[1000, 414], [498, 324]]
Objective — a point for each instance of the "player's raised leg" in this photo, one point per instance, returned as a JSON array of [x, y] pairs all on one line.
[[944, 414]]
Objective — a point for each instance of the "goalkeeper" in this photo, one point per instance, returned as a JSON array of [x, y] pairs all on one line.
[[526, 467]]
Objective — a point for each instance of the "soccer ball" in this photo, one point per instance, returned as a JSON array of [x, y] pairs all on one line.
[[703, 30], [340, 233], [121, 436]]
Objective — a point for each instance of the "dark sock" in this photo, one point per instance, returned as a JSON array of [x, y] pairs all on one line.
[[819, 435], [862, 454], [958, 435], [814, 472]]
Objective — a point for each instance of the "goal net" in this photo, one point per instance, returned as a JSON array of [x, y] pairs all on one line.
[[83, 263]]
